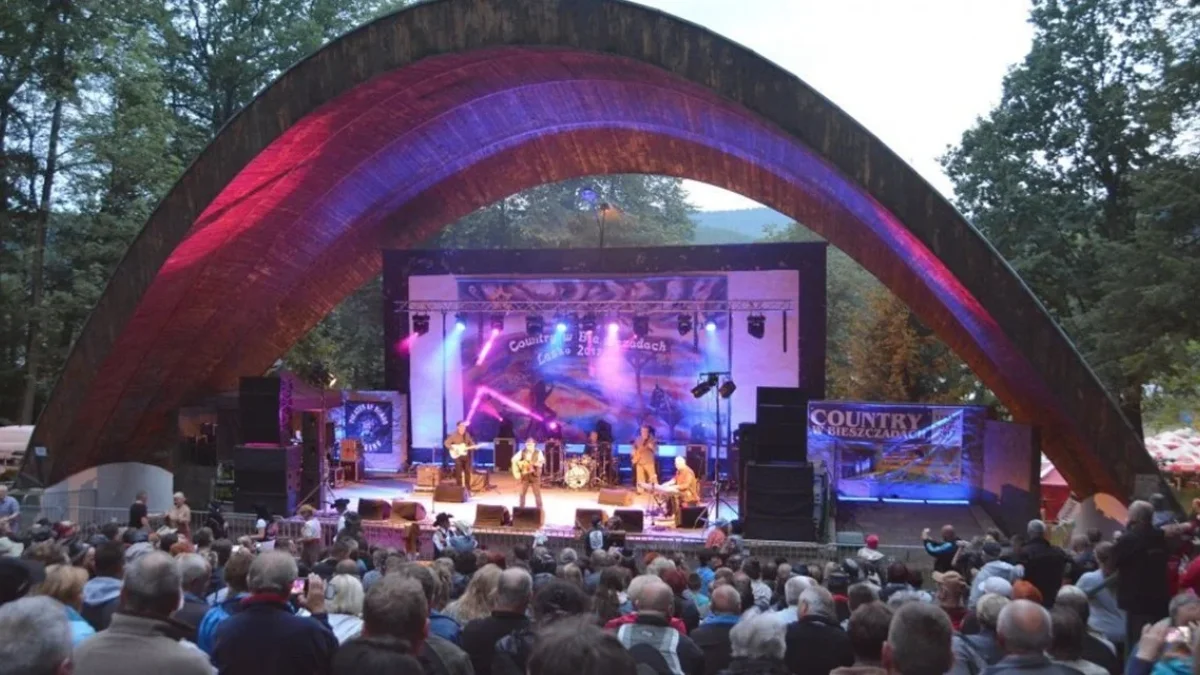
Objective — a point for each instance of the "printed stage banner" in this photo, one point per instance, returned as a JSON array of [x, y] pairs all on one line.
[[902, 451], [371, 423], [568, 379]]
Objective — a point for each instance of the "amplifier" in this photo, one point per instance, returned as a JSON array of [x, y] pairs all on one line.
[[632, 520], [449, 491], [490, 515], [528, 518], [428, 476], [615, 497], [480, 481]]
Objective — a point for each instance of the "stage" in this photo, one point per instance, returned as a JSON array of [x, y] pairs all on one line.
[[558, 503]]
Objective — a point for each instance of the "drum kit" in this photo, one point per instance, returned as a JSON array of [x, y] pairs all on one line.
[[581, 472]]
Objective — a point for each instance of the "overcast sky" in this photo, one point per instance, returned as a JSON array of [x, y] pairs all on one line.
[[916, 73]]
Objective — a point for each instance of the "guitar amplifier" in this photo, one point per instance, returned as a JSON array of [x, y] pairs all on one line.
[[350, 450], [480, 481], [449, 491], [428, 476]]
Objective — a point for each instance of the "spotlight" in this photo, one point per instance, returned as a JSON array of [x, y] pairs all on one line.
[[685, 324], [420, 323], [534, 324], [560, 327], [704, 386], [588, 323], [727, 389], [613, 327], [710, 323], [497, 321], [460, 322], [641, 326], [756, 325]]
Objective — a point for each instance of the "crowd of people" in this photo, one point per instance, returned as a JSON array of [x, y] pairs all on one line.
[[120, 597]]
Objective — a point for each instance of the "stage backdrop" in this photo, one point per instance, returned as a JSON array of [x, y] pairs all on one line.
[[898, 451], [377, 420]]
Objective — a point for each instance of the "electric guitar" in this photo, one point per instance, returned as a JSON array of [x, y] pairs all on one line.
[[458, 450]]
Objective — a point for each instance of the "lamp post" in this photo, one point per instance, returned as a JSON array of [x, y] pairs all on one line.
[[601, 212], [599, 208]]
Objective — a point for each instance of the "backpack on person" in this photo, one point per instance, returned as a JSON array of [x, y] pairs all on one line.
[[664, 640]]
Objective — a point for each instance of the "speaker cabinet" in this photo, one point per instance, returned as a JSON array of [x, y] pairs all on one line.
[[258, 410], [374, 509], [408, 511], [428, 476], [449, 491], [615, 497], [480, 481], [691, 517], [584, 517], [778, 502], [267, 475], [632, 520], [490, 515], [528, 518], [503, 453]]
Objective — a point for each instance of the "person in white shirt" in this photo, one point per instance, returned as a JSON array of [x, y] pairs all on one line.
[[528, 465], [310, 534]]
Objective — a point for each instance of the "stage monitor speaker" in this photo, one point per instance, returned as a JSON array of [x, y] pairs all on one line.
[[584, 517], [528, 518], [428, 476], [267, 475], [490, 515], [696, 456], [632, 520], [409, 511], [503, 453], [615, 497], [258, 409], [374, 509], [481, 481], [692, 517], [449, 491]]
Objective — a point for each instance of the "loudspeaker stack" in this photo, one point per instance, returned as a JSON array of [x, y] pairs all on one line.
[[778, 503]]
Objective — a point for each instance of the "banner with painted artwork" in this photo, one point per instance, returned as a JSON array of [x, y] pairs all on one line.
[[898, 451], [581, 369], [371, 423]]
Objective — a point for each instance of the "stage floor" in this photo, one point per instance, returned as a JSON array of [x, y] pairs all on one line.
[[559, 504]]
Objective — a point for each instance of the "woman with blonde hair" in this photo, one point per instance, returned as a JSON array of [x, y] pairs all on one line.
[[476, 601], [345, 607], [64, 583]]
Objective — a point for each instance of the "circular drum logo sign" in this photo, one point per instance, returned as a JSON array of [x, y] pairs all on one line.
[[371, 423]]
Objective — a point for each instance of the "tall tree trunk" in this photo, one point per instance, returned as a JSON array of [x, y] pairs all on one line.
[[1131, 405], [33, 350]]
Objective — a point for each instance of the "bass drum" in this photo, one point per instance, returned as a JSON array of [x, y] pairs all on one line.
[[578, 475]]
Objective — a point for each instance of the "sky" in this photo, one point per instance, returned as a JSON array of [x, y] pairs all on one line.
[[916, 73]]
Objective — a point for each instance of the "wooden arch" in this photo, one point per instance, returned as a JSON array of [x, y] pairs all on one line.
[[420, 117]]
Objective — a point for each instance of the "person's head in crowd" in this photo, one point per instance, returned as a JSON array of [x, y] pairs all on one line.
[[1141, 513], [110, 560], [1036, 529], [872, 541], [607, 598], [1075, 599], [1094, 535], [340, 549], [724, 573], [868, 630], [991, 550], [47, 553], [203, 538], [496, 558], [769, 570], [65, 584], [180, 548], [444, 575], [558, 600], [600, 559], [988, 608], [567, 556], [1080, 543], [817, 601], [476, 601], [513, 590], [655, 598], [152, 586], [464, 563], [1184, 610], [948, 533], [694, 583], [901, 598], [659, 566], [1024, 628], [753, 568], [166, 541], [237, 572], [677, 580], [828, 569], [794, 587], [521, 553], [1104, 556], [111, 531], [579, 647], [998, 586], [376, 656], [572, 574], [272, 573], [346, 567], [837, 582], [379, 558], [396, 607], [745, 586], [860, 594], [37, 638], [951, 588], [223, 548], [734, 562], [1067, 632], [726, 600], [783, 572], [19, 577], [347, 595], [897, 573], [918, 641], [637, 584], [758, 637], [194, 573], [287, 545], [1024, 590]]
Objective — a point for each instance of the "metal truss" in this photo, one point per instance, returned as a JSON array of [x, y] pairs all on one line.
[[604, 307]]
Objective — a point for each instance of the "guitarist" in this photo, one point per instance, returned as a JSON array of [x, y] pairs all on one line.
[[644, 459], [527, 466], [462, 464]]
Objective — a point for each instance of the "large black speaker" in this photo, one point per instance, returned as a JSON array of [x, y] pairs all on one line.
[[780, 405], [310, 464], [781, 442], [269, 476], [258, 409], [502, 453], [777, 502]]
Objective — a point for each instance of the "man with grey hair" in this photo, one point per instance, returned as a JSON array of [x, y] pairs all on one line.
[[712, 636], [37, 637], [1024, 631], [1096, 648], [816, 643], [791, 595], [1140, 560], [918, 641], [1045, 564], [651, 629], [196, 573], [479, 637], [142, 630], [985, 644], [758, 644], [263, 636]]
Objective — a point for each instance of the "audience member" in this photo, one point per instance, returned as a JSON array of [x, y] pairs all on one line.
[[951, 594], [609, 601], [476, 600], [762, 592], [1045, 564], [263, 637], [636, 585], [1066, 646], [512, 593], [142, 629], [685, 609], [1140, 559], [993, 567], [65, 584], [556, 601], [345, 606], [983, 646], [943, 551], [712, 636], [1024, 590], [1024, 631], [758, 645], [139, 516], [898, 579], [376, 656], [600, 561], [1104, 616], [867, 630], [918, 641], [101, 594], [236, 589], [652, 628], [1083, 556], [860, 594], [438, 654], [1096, 648], [396, 614], [816, 643], [791, 592], [195, 572], [179, 516], [579, 648], [36, 638]]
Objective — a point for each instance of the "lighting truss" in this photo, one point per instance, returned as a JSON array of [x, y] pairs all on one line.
[[597, 307]]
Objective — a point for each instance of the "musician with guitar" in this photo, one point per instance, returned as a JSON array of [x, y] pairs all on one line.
[[461, 445], [527, 468], [645, 453]]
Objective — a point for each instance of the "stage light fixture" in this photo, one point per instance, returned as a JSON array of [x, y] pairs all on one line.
[[560, 327], [534, 324], [710, 323], [613, 327], [756, 325], [685, 324], [727, 389], [497, 321], [460, 321], [420, 323], [704, 386], [588, 323], [641, 326]]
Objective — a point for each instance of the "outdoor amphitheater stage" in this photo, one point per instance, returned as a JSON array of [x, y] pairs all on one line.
[[558, 503]]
